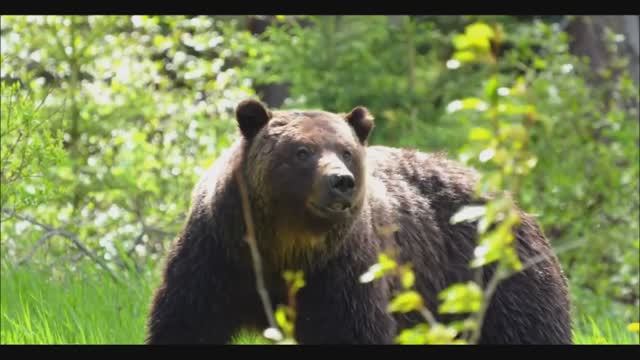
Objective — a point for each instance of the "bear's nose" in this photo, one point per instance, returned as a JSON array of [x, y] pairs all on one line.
[[342, 183]]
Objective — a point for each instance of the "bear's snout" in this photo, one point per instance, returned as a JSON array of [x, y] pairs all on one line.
[[339, 188], [342, 184]]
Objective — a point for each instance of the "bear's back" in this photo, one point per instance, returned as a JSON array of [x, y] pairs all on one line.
[[410, 174], [416, 193]]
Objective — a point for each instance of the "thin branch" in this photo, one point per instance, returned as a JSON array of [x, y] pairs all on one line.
[[16, 174], [12, 148], [146, 228], [72, 237], [540, 258], [255, 255], [501, 275], [488, 294], [44, 99], [9, 115], [428, 316], [57, 39], [40, 242], [137, 241], [150, 229], [9, 213]]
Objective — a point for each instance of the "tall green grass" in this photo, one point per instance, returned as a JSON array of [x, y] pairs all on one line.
[[78, 309], [598, 320], [88, 307], [590, 330]]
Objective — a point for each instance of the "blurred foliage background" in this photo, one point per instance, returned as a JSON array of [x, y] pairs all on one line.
[[107, 122]]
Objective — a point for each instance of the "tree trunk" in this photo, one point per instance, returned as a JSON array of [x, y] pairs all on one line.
[[272, 94], [588, 33], [631, 32]]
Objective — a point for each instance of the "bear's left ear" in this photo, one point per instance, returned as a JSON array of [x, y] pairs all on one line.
[[251, 116], [361, 121]]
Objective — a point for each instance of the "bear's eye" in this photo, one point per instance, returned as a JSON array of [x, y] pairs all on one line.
[[346, 156], [303, 153]]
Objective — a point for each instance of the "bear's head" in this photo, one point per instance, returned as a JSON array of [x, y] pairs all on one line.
[[306, 168]]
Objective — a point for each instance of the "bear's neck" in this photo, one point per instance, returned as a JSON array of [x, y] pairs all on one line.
[[285, 245]]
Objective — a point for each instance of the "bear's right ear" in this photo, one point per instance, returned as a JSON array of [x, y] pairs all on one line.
[[362, 122], [251, 116]]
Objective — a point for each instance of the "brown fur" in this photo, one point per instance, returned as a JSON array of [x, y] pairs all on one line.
[[208, 291]]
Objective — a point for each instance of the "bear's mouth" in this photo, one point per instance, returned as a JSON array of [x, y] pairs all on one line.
[[338, 208]]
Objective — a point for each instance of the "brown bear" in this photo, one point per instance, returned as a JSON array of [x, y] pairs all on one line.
[[318, 195]]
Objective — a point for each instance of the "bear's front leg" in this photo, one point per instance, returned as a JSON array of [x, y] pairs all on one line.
[[183, 314], [192, 306], [335, 308], [195, 302]]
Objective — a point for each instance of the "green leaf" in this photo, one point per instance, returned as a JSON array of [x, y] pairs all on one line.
[[474, 104], [460, 298], [408, 278], [464, 325], [295, 280], [500, 156], [480, 30], [386, 262], [423, 334], [405, 302], [539, 63], [476, 37], [491, 89], [461, 42], [492, 248], [479, 134], [416, 335], [283, 320], [520, 86], [376, 271], [440, 334], [498, 244], [464, 56]]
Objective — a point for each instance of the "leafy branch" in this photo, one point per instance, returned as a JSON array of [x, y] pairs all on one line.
[[501, 147]]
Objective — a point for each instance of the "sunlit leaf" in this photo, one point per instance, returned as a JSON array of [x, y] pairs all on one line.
[[405, 302], [378, 270], [460, 298], [413, 336], [491, 89], [480, 30], [461, 42], [283, 320], [294, 280], [539, 63], [479, 134], [408, 278], [441, 334], [464, 56]]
